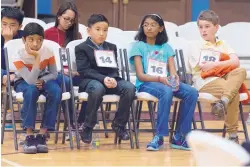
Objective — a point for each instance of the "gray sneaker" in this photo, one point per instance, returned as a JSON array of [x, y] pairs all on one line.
[[29, 146], [41, 144], [234, 139]]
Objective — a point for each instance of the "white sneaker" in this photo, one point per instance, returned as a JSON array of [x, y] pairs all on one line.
[[73, 136]]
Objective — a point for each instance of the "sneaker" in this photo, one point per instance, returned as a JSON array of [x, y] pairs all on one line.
[[86, 134], [219, 109], [234, 139], [155, 144], [180, 143], [41, 144], [29, 146], [120, 131]]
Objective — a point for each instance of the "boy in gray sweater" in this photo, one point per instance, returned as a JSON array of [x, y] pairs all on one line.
[[36, 74]]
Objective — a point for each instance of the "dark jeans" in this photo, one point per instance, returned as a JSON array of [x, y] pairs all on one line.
[[29, 110], [97, 90]]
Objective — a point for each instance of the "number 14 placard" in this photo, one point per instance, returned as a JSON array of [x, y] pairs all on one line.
[[105, 59]]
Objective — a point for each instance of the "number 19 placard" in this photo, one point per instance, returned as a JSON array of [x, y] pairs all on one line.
[[209, 55]]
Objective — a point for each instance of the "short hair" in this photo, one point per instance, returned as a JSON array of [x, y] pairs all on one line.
[[95, 18], [13, 13], [161, 38], [209, 15], [33, 29]]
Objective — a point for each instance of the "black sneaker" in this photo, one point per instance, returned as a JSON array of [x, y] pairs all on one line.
[[29, 146], [219, 109], [120, 131], [234, 139], [41, 144], [86, 134]]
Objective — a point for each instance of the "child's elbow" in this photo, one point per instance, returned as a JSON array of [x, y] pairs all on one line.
[[140, 77], [236, 62]]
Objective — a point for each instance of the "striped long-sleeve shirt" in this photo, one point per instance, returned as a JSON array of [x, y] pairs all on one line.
[[24, 65]]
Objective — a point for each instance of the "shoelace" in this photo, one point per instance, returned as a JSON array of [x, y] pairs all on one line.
[[155, 139], [41, 139], [184, 143], [30, 141]]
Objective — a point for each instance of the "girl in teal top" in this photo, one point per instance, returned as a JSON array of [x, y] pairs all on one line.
[[152, 57]]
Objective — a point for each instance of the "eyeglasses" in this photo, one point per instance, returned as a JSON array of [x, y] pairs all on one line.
[[68, 19], [150, 25]]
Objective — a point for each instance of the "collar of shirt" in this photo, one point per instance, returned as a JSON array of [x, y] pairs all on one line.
[[99, 47], [218, 42]]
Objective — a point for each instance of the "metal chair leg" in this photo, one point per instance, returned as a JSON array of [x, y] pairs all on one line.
[[243, 122], [104, 122], [139, 114], [134, 124], [201, 116], [4, 117], [152, 116], [58, 123], [173, 121]]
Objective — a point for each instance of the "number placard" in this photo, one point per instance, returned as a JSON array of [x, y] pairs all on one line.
[[156, 68], [209, 55], [105, 58]]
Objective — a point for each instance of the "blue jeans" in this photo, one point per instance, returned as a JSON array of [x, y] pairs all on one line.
[[165, 95], [76, 82], [29, 110]]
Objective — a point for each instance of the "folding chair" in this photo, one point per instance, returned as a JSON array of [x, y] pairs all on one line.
[[237, 31], [171, 29], [83, 96], [190, 31], [27, 20], [11, 48]]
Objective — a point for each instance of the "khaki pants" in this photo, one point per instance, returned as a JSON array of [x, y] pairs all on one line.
[[228, 86]]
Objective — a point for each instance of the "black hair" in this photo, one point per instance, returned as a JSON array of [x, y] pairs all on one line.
[[73, 32], [33, 29], [94, 18], [161, 37], [13, 13]]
